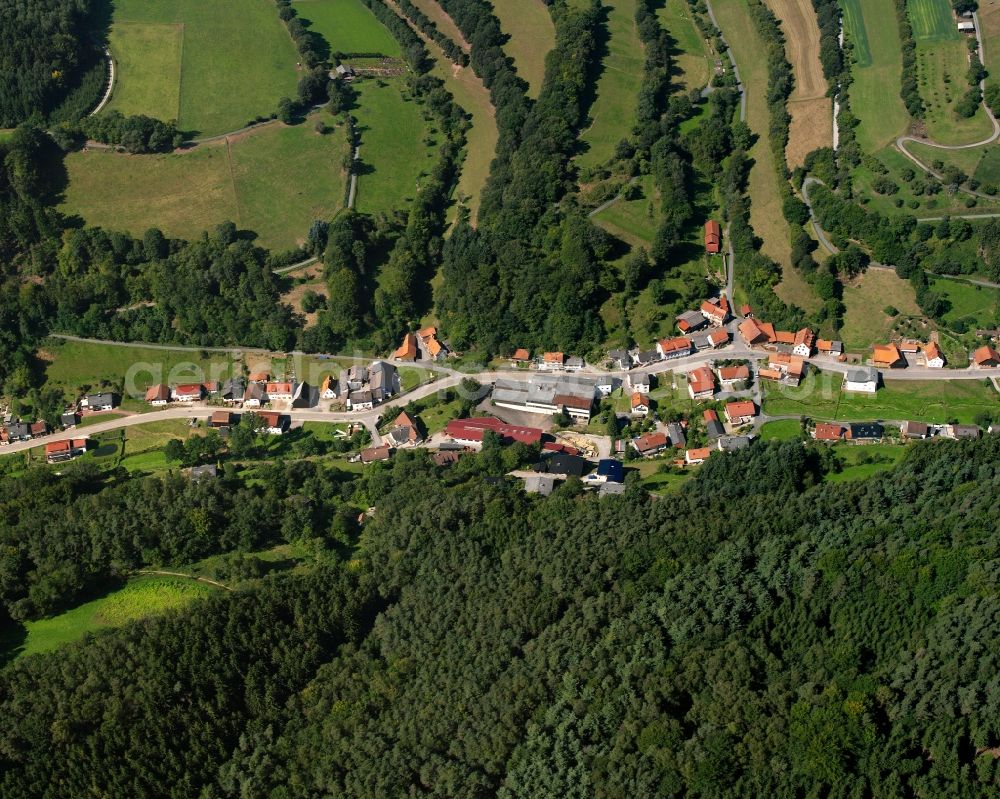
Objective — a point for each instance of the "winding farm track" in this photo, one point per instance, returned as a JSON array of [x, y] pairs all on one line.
[[111, 83], [902, 140]]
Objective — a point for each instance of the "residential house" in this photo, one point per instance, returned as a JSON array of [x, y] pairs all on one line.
[[39, 428], [915, 430], [404, 431], [650, 444], [689, 321], [671, 348], [909, 347], [69, 419], [356, 377], [985, 358], [746, 311], [274, 423], [186, 392], [732, 443], [220, 419], [233, 390], [471, 431], [729, 376], [383, 379], [862, 380], [608, 471], [260, 377], [102, 401], [640, 404], [374, 454], [957, 431], [695, 456], [574, 363], [18, 431], [61, 451], [676, 434], [407, 351], [802, 345], [646, 357], [640, 382], [741, 412], [328, 389], [620, 359], [718, 338], [887, 356], [932, 356], [279, 391], [824, 431], [789, 368], [713, 427], [605, 385], [552, 361], [716, 313], [520, 357], [752, 333], [158, 394], [361, 400], [865, 432], [713, 237], [435, 349], [254, 396], [701, 383], [833, 348], [541, 484]]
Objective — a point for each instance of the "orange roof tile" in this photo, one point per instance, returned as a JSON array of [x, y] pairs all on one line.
[[408, 349]]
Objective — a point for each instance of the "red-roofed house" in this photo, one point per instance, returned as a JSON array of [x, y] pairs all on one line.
[[279, 391], [933, 357], [640, 404], [985, 358], [730, 375], [718, 338], [408, 349], [650, 443], [887, 356], [739, 413], [158, 395], [828, 432], [752, 333], [671, 348], [803, 343], [717, 314], [59, 451], [710, 415], [470, 431], [696, 456], [713, 237], [188, 392], [552, 361], [274, 422], [701, 383], [520, 355]]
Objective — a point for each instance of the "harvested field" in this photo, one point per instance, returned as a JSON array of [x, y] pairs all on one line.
[[811, 110]]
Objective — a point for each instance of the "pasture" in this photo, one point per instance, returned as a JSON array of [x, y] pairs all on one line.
[[811, 110], [532, 36], [140, 598], [212, 65], [865, 300], [977, 306], [395, 146], [932, 20], [764, 184], [347, 25], [941, 68], [275, 181], [693, 64], [633, 221], [612, 114], [144, 444], [870, 25], [989, 30]]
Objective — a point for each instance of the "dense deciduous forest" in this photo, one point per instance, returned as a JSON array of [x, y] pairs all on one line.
[[759, 633], [47, 50]]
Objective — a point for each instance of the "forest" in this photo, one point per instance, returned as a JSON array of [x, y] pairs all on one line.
[[813, 639]]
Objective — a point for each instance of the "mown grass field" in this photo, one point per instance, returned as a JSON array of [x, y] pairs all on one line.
[[393, 149], [138, 599], [871, 26], [989, 30], [274, 181], [941, 68], [764, 185], [932, 20], [810, 109], [782, 430], [693, 64], [977, 306], [612, 113], [634, 221], [532, 36], [983, 163], [860, 463], [347, 25], [212, 65], [865, 320], [937, 401], [144, 444], [71, 364]]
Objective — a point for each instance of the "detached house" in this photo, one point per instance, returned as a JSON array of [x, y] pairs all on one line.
[[521, 356], [407, 351], [716, 313], [640, 404], [404, 431], [695, 456], [701, 383], [254, 395], [61, 451], [552, 361], [650, 444], [676, 434], [671, 348], [158, 395], [640, 382], [863, 380], [753, 334], [740, 413], [932, 356], [274, 422], [713, 237], [834, 348], [104, 401], [985, 358], [887, 356], [802, 345], [828, 432], [729, 376], [187, 392], [328, 389], [689, 321], [232, 391], [713, 427], [279, 391]]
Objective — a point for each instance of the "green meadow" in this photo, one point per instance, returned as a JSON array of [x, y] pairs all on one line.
[[532, 36], [347, 25]]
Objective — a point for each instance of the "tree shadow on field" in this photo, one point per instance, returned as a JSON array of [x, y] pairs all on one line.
[[318, 42], [589, 95]]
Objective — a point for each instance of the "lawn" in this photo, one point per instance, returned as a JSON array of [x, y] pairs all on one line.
[[274, 181], [144, 444], [212, 65], [932, 20], [782, 430], [936, 401], [871, 26], [764, 185], [865, 320], [860, 463], [69, 365], [612, 113], [139, 598], [412, 376], [658, 482], [692, 61], [633, 221], [347, 25], [394, 146], [532, 36], [977, 306], [941, 68]]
